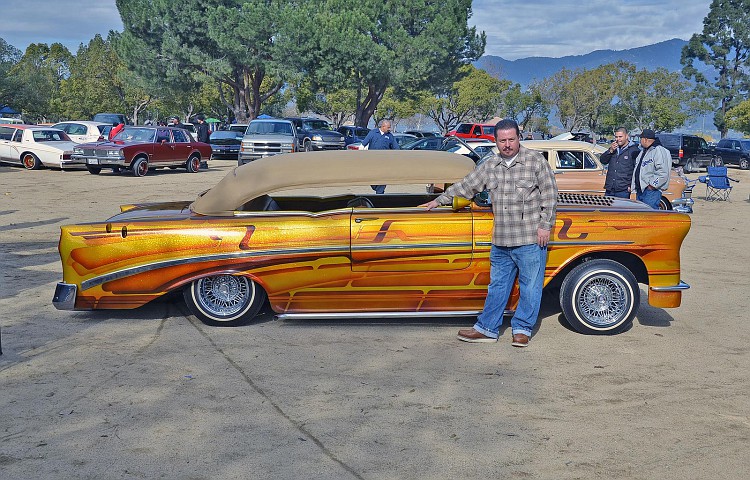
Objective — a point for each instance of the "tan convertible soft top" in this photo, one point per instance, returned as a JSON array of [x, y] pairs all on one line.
[[329, 169]]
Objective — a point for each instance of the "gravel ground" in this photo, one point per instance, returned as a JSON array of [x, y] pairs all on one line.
[[153, 393]]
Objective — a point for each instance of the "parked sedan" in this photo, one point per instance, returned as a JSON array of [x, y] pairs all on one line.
[[326, 252], [353, 134], [34, 146], [85, 131], [226, 144], [139, 149]]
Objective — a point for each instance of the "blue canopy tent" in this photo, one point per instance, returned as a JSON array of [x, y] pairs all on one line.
[[6, 110]]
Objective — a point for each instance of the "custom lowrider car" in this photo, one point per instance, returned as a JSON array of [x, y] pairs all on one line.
[[34, 146], [139, 149], [291, 230]]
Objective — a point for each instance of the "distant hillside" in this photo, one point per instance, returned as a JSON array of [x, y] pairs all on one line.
[[524, 70]]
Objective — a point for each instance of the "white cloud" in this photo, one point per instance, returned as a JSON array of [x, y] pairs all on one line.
[[517, 29]]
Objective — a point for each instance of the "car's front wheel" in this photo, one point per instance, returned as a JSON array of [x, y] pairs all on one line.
[[744, 164], [224, 300], [600, 297], [31, 162], [193, 164], [140, 167], [93, 170], [307, 146]]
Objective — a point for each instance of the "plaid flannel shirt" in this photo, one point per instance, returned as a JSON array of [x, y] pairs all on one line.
[[524, 196]]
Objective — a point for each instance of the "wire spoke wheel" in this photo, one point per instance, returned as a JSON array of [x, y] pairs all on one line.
[[602, 300], [224, 300]]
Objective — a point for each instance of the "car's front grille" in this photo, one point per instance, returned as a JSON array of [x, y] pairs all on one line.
[[264, 148]]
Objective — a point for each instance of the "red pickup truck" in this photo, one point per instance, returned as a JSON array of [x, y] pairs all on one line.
[[474, 130]]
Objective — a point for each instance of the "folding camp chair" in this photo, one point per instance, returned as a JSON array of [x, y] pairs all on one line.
[[717, 183]]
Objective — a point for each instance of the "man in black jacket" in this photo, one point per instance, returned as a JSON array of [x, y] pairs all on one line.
[[201, 130], [621, 160]]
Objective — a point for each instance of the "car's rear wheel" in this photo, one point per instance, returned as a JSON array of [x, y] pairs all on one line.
[[744, 164], [93, 170], [307, 146], [664, 204], [31, 162], [224, 300], [193, 164], [690, 166], [600, 297], [140, 167]]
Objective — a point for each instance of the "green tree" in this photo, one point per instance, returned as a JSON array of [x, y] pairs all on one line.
[[337, 105], [370, 45], [558, 91], [37, 76], [523, 106], [724, 46], [652, 99], [9, 56], [475, 97], [738, 117], [232, 42]]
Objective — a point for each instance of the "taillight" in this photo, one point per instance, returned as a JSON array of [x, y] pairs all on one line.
[[681, 153]]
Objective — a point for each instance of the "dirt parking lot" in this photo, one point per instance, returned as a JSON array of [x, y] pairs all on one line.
[[153, 393]]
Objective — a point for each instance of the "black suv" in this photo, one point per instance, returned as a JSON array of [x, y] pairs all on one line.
[[689, 151], [316, 134], [733, 151]]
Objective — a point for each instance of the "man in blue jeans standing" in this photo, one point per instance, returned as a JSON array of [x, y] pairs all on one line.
[[523, 193], [652, 168], [380, 138]]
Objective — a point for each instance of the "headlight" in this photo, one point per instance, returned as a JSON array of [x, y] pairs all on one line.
[[78, 151], [114, 153], [317, 138]]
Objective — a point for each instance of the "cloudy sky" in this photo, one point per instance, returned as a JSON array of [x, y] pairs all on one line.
[[515, 29]]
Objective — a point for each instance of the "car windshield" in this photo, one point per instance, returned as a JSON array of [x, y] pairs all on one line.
[[225, 134], [316, 125], [238, 128], [269, 128], [745, 145], [50, 136], [136, 135]]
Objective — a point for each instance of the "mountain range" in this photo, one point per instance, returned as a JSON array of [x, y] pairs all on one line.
[[524, 70]]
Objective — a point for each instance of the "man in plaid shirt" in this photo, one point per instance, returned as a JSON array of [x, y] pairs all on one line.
[[523, 193]]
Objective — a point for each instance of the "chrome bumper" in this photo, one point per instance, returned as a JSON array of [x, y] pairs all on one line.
[[683, 205], [672, 288], [65, 296], [99, 161]]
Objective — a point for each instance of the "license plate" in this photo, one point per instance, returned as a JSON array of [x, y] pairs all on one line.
[[92, 161]]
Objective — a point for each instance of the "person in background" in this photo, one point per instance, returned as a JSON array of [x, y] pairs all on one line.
[[380, 138], [652, 168], [620, 157], [523, 193], [201, 129], [175, 122]]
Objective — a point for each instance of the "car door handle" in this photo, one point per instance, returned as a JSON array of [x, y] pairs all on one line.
[[365, 219]]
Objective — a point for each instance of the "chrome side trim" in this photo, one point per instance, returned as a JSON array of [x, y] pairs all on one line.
[[567, 243], [375, 315], [65, 296], [673, 288]]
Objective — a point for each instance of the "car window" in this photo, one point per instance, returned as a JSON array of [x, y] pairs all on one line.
[[702, 143], [317, 125], [571, 160], [266, 128], [104, 128], [49, 136], [76, 129], [6, 133], [745, 145], [162, 135], [668, 141], [464, 128], [17, 136], [723, 144], [180, 136], [137, 135]]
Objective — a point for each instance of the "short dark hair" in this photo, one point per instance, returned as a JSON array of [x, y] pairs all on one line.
[[621, 130], [507, 124]]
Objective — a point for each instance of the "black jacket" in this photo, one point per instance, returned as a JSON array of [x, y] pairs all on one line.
[[201, 131], [621, 166]]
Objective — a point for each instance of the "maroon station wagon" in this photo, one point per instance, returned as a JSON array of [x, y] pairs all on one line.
[[142, 148]]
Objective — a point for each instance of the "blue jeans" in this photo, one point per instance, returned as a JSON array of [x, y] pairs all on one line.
[[528, 261], [650, 197], [379, 189], [618, 194]]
